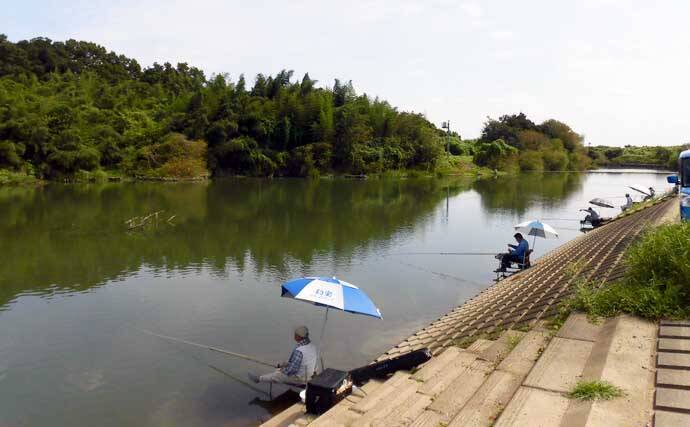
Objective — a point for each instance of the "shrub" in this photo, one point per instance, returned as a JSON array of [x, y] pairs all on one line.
[[531, 161], [176, 157], [661, 259], [555, 160], [493, 153]]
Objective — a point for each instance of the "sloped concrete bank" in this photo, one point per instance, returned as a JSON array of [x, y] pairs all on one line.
[[520, 378]]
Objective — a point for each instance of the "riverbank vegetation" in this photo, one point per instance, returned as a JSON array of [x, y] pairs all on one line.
[[73, 106], [515, 143], [656, 284], [647, 156], [75, 111]]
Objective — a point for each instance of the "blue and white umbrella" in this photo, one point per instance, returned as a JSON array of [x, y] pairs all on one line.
[[330, 292], [536, 228]]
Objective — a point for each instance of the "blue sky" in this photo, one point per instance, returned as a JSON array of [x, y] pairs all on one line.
[[617, 71]]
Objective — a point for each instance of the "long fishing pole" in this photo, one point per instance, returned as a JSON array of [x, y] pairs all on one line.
[[444, 275], [207, 347], [444, 253], [227, 374]]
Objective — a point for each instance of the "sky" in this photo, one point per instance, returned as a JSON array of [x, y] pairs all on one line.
[[617, 71]]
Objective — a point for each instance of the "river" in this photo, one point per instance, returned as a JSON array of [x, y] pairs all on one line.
[[76, 286]]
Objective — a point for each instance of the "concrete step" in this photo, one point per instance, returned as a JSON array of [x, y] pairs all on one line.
[[671, 419], [427, 419], [622, 356], [672, 399], [532, 407], [488, 402], [667, 322], [381, 393], [404, 392], [436, 364], [453, 370], [479, 346], [578, 327], [674, 331], [560, 366], [673, 378], [406, 413], [451, 400], [501, 347], [522, 358], [286, 417], [338, 416], [674, 345], [673, 360]]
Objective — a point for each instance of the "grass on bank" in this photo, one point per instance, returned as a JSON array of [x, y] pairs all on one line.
[[656, 285], [8, 177], [594, 390], [462, 166]]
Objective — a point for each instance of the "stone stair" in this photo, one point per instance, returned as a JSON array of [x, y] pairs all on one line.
[[672, 396], [518, 379]]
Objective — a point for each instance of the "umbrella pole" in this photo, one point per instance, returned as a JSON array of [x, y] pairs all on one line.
[[534, 242], [323, 329]]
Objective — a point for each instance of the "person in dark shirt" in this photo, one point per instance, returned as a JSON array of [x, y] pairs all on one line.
[[592, 217], [516, 253]]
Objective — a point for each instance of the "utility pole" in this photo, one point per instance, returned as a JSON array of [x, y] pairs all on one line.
[[446, 126]]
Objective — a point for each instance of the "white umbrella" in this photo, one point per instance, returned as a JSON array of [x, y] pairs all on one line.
[[537, 228]]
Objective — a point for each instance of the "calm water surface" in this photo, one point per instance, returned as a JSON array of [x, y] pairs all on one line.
[[76, 286]]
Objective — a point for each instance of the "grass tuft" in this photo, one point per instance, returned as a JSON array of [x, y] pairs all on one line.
[[513, 341], [595, 390]]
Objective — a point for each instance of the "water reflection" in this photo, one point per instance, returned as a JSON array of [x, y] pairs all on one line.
[[71, 238], [518, 194], [212, 277]]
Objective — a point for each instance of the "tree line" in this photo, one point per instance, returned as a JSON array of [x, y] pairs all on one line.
[[73, 108], [69, 107]]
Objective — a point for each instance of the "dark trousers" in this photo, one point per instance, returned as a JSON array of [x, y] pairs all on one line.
[[508, 258]]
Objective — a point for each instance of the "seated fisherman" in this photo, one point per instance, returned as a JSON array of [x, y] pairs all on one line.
[[592, 217], [650, 195], [628, 203], [300, 367], [516, 253]]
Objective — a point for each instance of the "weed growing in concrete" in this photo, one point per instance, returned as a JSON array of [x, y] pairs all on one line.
[[522, 328], [465, 342], [595, 390], [513, 341]]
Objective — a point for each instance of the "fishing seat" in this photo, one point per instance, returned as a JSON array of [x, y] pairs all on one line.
[[525, 261]]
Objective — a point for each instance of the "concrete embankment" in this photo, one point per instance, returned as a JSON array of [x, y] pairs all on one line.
[[514, 370]]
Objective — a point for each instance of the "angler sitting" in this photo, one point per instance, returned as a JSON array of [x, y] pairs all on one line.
[[516, 253], [592, 217], [628, 203], [300, 367]]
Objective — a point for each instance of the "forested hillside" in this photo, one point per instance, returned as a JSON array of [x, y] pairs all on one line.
[[69, 108], [73, 110]]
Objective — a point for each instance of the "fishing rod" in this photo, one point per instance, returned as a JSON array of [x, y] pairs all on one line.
[[444, 275], [444, 253], [207, 347], [225, 373]]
